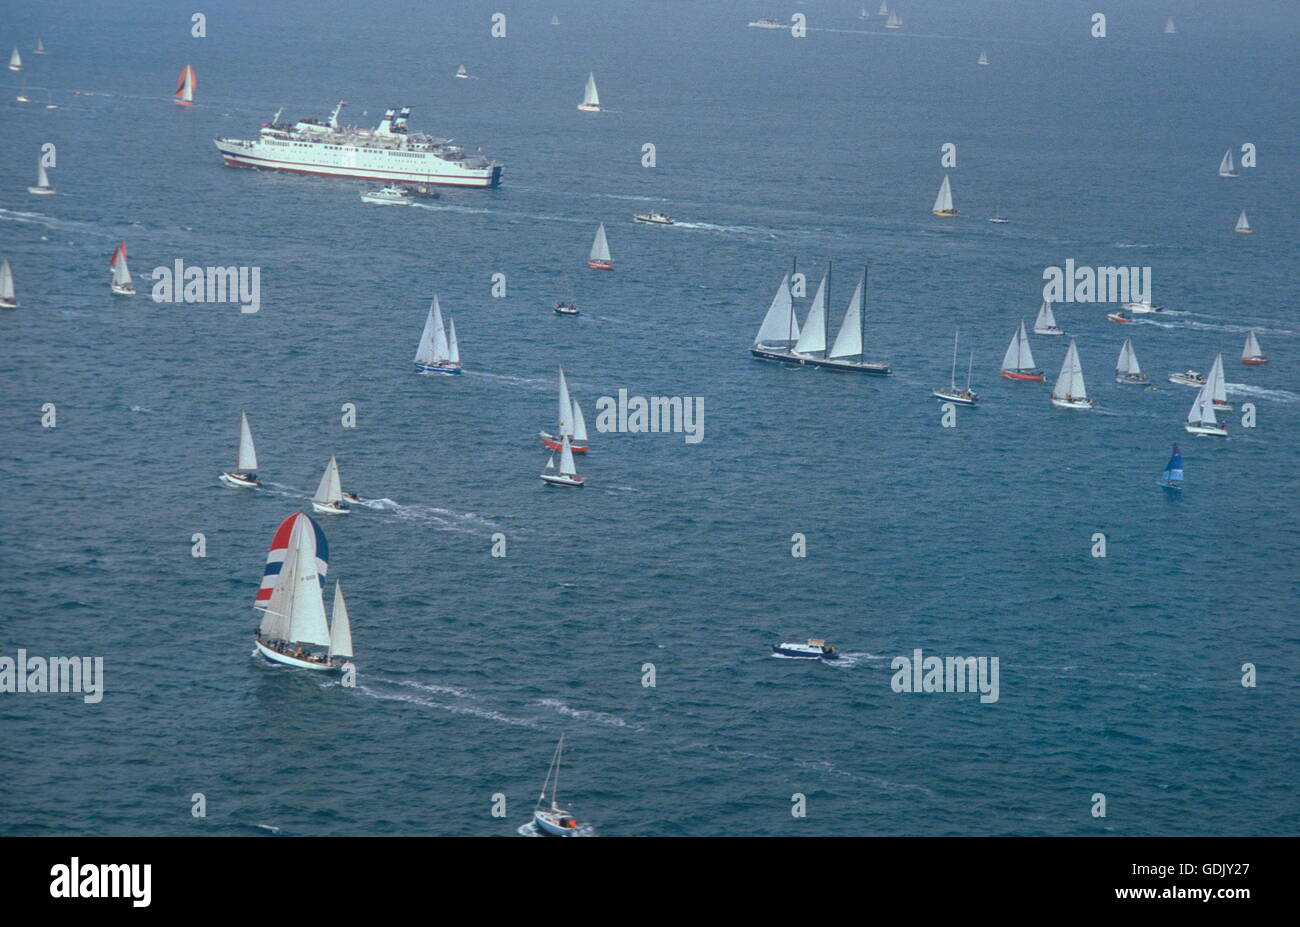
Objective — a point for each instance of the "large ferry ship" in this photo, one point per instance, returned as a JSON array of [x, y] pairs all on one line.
[[389, 152]]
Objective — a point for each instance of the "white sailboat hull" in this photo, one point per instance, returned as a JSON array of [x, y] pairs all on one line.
[[1048, 331], [123, 289], [551, 823], [330, 508], [40, 191], [1218, 431], [288, 660], [588, 107], [559, 479], [1080, 405], [239, 480], [447, 369]]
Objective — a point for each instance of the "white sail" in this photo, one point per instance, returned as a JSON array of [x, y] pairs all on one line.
[[15, 61], [567, 467], [780, 323], [1169, 27], [1018, 356], [565, 418], [1202, 411], [589, 96], [1070, 380], [330, 488], [461, 72], [1242, 224], [42, 178], [1251, 350], [453, 346], [1226, 167], [40, 47], [424, 353], [1046, 318], [984, 58], [884, 9], [121, 273], [600, 246], [6, 281], [1128, 362], [813, 337], [296, 610], [340, 627], [247, 460], [579, 423], [440, 350], [1215, 381], [848, 343], [943, 202], [550, 462]]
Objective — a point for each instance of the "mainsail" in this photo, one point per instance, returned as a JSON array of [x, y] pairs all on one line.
[[813, 337], [340, 627], [121, 274], [1202, 410], [565, 419], [1069, 383], [1018, 356], [848, 343], [589, 96], [780, 323], [943, 202], [424, 353], [330, 489], [1215, 381], [567, 467], [185, 85], [1046, 320], [600, 247], [1226, 167], [290, 596], [1128, 362], [6, 281], [247, 460], [1251, 350], [42, 178]]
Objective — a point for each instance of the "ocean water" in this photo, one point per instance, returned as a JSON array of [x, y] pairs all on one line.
[[1118, 675]]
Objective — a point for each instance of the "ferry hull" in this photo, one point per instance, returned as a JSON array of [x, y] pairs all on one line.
[[274, 656], [242, 154], [1030, 376]]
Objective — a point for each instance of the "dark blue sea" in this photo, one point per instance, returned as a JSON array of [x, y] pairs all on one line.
[[1119, 675]]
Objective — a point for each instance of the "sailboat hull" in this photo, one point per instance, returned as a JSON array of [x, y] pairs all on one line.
[[239, 481], [435, 368], [554, 443], [955, 398], [559, 479], [601, 265], [1048, 331], [588, 107], [1137, 379], [1254, 361], [1217, 431], [40, 191], [274, 656], [1078, 405], [1033, 376], [123, 289], [330, 508], [945, 213], [8, 304], [840, 366], [552, 824]]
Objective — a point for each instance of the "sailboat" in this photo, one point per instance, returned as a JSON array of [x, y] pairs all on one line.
[[1243, 225], [599, 258], [1251, 353], [780, 328], [462, 73], [1127, 369], [570, 423], [1218, 386], [292, 605], [864, 14], [1018, 362], [555, 20], [42, 187], [185, 86], [590, 98], [7, 298], [943, 202], [439, 351], [1200, 418], [1172, 478], [329, 494], [22, 93], [567, 306], [983, 60], [245, 473], [552, 819], [1226, 167], [121, 284], [813, 340], [1045, 323], [40, 47], [998, 218], [568, 473], [895, 21], [1169, 27], [15, 61], [884, 9], [950, 393], [1069, 392]]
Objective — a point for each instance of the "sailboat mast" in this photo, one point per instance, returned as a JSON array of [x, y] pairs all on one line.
[[826, 327], [970, 366], [862, 320], [952, 377], [555, 786], [794, 272]]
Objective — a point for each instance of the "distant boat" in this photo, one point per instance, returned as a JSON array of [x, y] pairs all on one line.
[[15, 61], [553, 820], [1045, 323], [1069, 392], [569, 423], [40, 47], [7, 298], [895, 21], [292, 605], [1188, 378], [22, 96], [1226, 167], [439, 352], [244, 476], [1141, 306], [1127, 369], [1200, 418], [983, 60], [864, 14], [816, 649], [555, 20], [1218, 386], [998, 217], [391, 195], [462, 73], [1172, 478], [598, 258], [185, 86], [943, 202], [568, 473], [654, 218], [1169, 27], [1243, 226], [121, 284], [1251, 353], [847, 353], [329, 494], [42, 187], [769, 24], [950, 393], [590, 98], [884, 9], [565, 304], [1018, 362]]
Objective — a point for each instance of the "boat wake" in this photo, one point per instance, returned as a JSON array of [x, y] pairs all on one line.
[[442, 518], [1259, 392], [734, 229], [1209, 327], [423, 701], [590, 717]]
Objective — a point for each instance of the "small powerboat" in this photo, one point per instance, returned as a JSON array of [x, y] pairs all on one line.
[[816, 649], [1119, 316], [1143, 306], [391, 195], [566, 308], [654, 218], [1188, 378]]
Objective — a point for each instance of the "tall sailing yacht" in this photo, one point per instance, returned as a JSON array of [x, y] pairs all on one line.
[[439, 351], [590, 98], [1127, 369], [552, 820], [1226, 167], [950, 393], [812, 347], [1018, 362], [570, 423], [1201, 420], [943, 202], [244, 476], [780, 329], [598, 258], [15, 61], [42, 187], [329, 494], [1069, 392], [7, 298], [293, 622], [1251, 353], [1045, 323], [121, 284]]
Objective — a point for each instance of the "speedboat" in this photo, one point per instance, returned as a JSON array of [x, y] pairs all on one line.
[[391, 195], [1188, 378], [769, 24], [240, 480], [1119, 316], [1143, 306], [420, 191], [654, 218], [563, 308], [816, 648], [353, 498]]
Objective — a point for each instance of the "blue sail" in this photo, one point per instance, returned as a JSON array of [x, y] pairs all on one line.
[[1174, 469]]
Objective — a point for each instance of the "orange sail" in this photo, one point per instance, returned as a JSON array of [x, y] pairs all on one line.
[[119, 254], [185, 86]]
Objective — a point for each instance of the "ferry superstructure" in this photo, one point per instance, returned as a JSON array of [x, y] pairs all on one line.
[[388, 152]]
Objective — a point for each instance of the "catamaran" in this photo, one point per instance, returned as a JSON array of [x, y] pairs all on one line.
[[983, 60], [568, 473], [1218, 386], [590, 98], [1018, 362], [950, 393], [244, 475], [1069, 392], [462, 73], [1226, 167], [598, 258], [7, 298], [1127, 369], [566, 306], [1251, 353], [571, 423], [1172, 478], [1243, 225], [15, 61], [553, 820], [943, 202], [329, 494], [291, 603], [1045, 323], [439, 351], [121, 284], [1200, 418], [42, 187], [185, 86]]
